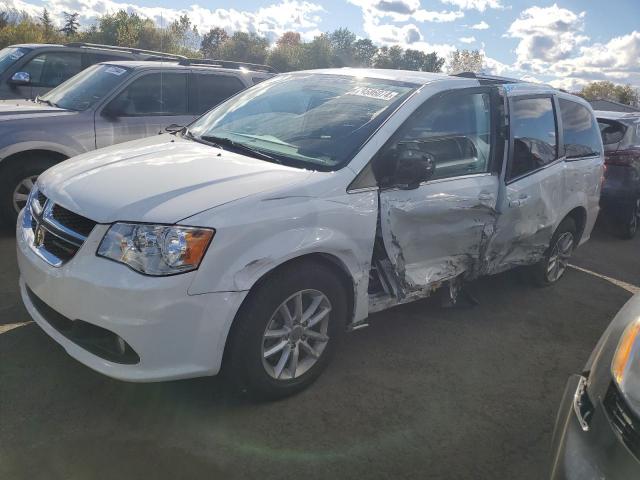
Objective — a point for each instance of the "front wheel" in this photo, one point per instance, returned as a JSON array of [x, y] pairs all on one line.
[[556, 259], [16, 181], [286, 333]]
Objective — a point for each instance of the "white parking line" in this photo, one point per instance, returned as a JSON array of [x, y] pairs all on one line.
[[11, 326], [618, 283]]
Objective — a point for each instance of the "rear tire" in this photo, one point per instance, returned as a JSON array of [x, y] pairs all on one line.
[[553, 265], [14, 184], [261, 327], [628, 228]]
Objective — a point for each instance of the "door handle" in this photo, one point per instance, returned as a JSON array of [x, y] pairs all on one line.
[[520, 201]]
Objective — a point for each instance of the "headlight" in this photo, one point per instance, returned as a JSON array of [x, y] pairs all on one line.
[[626, 364], [156, 249]]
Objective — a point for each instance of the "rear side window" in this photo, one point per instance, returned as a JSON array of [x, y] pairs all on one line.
[[207, 91], [533, 127], [611, 132], [52, 68], [580, 130], [154, 94], [93, 58]]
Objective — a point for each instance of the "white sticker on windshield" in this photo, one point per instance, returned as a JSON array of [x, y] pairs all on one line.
[[115, 70], [16, 55], [376, 93]]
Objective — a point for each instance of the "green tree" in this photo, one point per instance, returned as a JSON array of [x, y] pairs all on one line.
[[605, 90], [46, 23], [364, 52], [318, 53], [245, 47], [289, 39], [341, 42], [71, 24], [465, 61], [212, 41]]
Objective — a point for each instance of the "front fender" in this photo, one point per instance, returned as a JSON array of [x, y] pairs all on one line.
[[252, 241]]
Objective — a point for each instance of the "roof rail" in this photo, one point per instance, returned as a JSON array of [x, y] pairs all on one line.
[[488, 79], [154, 54], [228, 64]]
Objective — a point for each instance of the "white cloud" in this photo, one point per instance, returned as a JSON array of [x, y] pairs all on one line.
[[467, 39], [480, 5], [270, 21], [480, 26], [547, 34], [403, 11], [552, 43]]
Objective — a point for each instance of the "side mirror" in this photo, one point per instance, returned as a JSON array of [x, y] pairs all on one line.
[[173, 128], [413, 167], [20, 78]]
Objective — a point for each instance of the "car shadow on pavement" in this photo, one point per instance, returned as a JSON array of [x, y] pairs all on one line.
[[423, 392]]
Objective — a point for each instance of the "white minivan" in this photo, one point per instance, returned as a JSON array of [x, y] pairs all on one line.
[[253, 238]]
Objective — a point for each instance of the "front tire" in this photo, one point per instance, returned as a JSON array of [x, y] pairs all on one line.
[[556, 259], [286, 332], [628, 228], [16, 180]]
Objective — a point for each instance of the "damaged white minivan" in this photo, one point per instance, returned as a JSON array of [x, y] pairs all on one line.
[[252, 239]]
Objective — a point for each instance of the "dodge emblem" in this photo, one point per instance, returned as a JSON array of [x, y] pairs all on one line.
[[39, 236]]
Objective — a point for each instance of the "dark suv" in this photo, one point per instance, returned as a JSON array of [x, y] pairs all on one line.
[[29, 70], [620, 199]]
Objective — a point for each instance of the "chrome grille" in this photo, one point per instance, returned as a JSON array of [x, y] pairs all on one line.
[[623, 420], [56, 234]]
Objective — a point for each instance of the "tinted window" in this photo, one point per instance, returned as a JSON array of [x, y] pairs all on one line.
[[93, 58], [533, 127], [88, 87], [580, 131], [10, 55], [611, 132], [52, 68], [154, 94], [207, 91], [454, 130]]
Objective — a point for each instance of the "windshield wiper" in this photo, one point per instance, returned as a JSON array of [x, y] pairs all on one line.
[[222, 142]]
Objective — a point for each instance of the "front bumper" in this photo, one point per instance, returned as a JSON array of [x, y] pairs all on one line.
[[174, 334], [594, 454]]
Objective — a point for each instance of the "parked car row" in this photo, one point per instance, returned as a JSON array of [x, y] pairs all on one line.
[[248, 239], [106, 104]]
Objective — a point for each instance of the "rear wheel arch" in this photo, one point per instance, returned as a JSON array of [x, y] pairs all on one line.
[[579, 217]]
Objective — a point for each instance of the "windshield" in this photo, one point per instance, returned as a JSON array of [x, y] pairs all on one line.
[[312, 121], [86, 88], [9, 55]]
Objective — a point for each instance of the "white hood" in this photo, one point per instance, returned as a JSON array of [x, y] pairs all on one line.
[[160, 179]]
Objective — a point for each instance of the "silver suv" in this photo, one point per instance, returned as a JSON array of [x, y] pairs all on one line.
[[108, 103], [33, 69]]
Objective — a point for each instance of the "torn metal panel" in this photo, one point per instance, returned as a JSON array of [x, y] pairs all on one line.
[[435, 232]]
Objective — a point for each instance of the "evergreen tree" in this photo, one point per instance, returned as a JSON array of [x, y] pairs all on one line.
[[71, 24]]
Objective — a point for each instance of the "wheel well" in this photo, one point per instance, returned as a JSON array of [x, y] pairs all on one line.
[[331, 261], [20, 156], [579, 216]]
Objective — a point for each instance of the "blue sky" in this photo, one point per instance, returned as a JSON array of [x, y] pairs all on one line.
[[564, 42]]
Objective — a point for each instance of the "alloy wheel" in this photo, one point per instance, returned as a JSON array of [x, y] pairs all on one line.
[[21, 192], [559, 257], [296, 335]]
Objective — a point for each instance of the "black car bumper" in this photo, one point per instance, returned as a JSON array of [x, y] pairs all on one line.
[[598, 453]]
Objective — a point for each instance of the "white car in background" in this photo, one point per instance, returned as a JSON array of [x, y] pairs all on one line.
[[295, 209]]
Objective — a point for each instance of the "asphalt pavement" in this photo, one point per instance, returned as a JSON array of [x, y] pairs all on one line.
[[424, 392]]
